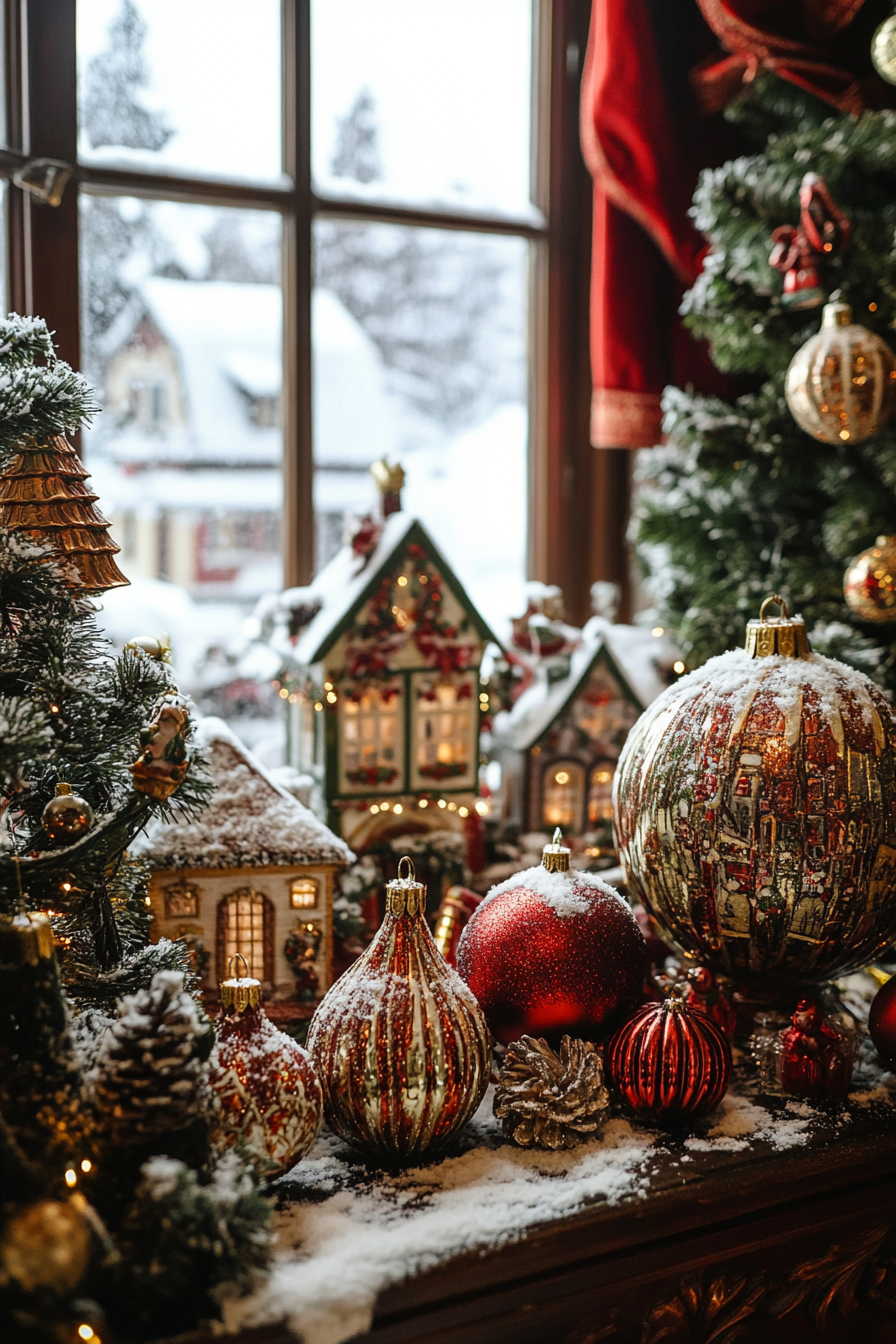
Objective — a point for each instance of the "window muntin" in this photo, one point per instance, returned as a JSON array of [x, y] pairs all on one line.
[[304, 893], [181, 84], [600, 793], [244, 917], [445, 727]]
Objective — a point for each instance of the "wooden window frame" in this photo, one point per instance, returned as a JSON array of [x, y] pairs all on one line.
[[575, 528]]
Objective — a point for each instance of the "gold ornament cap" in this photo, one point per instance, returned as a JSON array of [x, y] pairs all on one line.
[[783, 636], [835, 314], [555, 856], [63, 790], [25, 939], [237, 993], [404, 894]]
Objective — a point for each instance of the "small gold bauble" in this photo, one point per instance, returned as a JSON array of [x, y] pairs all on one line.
[[869, 584], [156, 646], [883, 50], [841, 385], [46, 1245], [66, 817]]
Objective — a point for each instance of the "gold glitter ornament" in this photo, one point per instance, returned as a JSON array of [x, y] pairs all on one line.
[[46, 1245], [869, 585], [399, 1042], [883, 49], [66, 817], [841, 385], [755, 812]]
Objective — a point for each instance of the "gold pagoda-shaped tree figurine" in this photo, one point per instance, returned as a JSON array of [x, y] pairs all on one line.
[[42, 493]]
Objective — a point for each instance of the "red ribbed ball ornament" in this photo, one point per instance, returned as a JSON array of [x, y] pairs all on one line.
[[669, 1063], [552, 952], [882, 1021]]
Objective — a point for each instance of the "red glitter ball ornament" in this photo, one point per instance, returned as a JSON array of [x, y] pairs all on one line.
[[552, 953], [882, 1021], [669, 1063], [266, 1093]]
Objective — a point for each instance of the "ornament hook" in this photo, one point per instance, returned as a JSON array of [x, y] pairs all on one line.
[[779, 601], [237, 956], [408, 876]]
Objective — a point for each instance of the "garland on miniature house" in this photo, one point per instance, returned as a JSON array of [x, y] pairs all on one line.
[[399, 611]]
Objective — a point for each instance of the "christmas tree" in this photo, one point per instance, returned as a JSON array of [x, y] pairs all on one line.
[[102, 1044], [741, 502]]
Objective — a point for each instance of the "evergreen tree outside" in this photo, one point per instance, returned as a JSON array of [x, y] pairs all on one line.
[[740, 502]]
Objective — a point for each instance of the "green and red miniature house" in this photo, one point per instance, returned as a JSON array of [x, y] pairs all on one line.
[[381, 669]]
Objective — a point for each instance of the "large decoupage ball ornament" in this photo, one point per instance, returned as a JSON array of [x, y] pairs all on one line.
[[882, 1021], [265, 1092], [552, 952], [399, 1041], [869, 584], [841, 385], [755, 812]]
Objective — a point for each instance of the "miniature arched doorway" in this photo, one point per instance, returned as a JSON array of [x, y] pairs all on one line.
[[563, 794], [246, 925], [600, 794]]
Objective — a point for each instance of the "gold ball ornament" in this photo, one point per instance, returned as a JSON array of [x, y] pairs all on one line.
[[755, 813], [46, 1245], [883, 49], [841, 385], [66, 817], [869, 584]]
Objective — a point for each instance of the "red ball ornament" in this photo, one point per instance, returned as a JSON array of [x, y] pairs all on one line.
[[882, 1021], [552, 953], [266, 1093], [669, 1063]]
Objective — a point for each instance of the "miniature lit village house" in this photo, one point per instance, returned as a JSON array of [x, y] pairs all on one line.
[[251, 874], [381, 666], [582, 691]]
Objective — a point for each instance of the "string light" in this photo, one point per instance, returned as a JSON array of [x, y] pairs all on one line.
[[283, 693], [87, 1331], [482, 807], [463, 811], [86, 1165], [384, 807], [375, 809], [54, 709], [452, 807], [442, 803], [71, 1177], [318, 706], [147, 900], [397, 809], [402, 581], [423, 802], [657, 631], [66, 886], [678, 667], [331, 697], [328, 685]]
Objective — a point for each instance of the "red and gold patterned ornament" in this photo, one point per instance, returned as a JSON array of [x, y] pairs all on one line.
[[399, 1041], [841, 385], [552, 952], [266, 1093], [755, 813], [869, 584], [669, 1063]]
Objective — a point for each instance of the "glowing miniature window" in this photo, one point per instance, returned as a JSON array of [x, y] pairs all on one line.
[[303, 893], [443, 738], [244, 915], [370, 738], [563, 794], [600, 793]]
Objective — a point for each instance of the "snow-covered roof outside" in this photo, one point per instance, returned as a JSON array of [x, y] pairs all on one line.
[[338, 586], [250, 822], [633, 649]]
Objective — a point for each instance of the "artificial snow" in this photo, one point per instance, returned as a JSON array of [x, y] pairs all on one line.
[[251, 820], [563, 892]]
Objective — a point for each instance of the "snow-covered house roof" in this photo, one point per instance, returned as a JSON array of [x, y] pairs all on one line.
[[251, 821], [634, 656], [344, 585]]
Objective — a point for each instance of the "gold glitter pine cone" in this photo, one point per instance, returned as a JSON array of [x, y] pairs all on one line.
[[549, 1100]]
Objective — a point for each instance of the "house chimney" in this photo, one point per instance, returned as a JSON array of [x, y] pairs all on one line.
[[389, 479]]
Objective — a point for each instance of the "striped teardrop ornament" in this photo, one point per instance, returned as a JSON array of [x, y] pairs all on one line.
[[669, 1063], [399, 1042], [841, 385]]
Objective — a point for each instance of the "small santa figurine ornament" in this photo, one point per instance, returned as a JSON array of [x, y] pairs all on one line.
[[816, 1061], [162, 763], [707, 996]]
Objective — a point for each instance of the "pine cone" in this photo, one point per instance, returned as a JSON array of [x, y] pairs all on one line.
[[149, 1074], [550, 1100]]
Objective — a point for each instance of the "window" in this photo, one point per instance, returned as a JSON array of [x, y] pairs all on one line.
[[563, 792], [288, 201], [245, 926], [371, 732], [303, 893], [600, 794], [445, 731]]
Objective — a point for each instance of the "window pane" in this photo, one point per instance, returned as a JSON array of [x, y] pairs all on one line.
[[181, 334], [184, 84], [422, 101], [420, 353]]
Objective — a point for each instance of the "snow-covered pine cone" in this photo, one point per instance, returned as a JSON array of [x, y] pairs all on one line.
[[550, 1100], [150, 1073]]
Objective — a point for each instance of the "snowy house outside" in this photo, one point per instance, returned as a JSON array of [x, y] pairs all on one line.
[[252, 874], [559, 744], [380, 663], [188, 452]]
